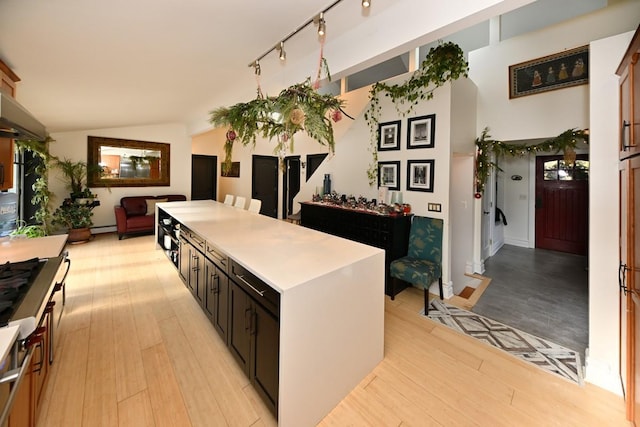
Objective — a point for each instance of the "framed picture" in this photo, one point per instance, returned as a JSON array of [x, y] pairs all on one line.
[[420, 175], [389, 136], [422, 132], [389, 175], [233, 172], [557, 71]]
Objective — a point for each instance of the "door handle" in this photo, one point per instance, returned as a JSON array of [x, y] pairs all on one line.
[[538, 203], [486, 212], [622, 278]]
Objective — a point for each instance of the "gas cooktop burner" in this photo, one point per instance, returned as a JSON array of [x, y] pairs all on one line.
[[15, 279]]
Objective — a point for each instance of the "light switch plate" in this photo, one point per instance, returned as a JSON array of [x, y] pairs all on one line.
[[434, 207]]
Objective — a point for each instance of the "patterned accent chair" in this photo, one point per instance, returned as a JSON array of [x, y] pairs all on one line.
[[423, 263]]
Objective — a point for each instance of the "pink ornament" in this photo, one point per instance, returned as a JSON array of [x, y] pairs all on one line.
[[231, 135], [336, 115]]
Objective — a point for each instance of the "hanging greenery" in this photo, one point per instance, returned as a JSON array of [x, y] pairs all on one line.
[[488, 149], [443, 63], [297, 108], [41, 194]]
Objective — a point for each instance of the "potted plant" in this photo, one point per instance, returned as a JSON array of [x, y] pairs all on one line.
[[76, 217], [75, 175]]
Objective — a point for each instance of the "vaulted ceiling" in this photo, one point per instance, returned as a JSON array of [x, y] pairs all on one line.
[[87, 64]]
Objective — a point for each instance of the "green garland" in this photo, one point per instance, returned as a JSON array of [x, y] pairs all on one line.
[[296, 108], [41, 194], [486, 148], [443, 63]]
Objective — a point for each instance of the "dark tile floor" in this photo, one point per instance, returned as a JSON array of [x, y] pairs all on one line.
[[544, 293]]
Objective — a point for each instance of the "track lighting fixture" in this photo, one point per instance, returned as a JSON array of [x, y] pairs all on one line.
[[256, 66], [322, 26], [316, 20]]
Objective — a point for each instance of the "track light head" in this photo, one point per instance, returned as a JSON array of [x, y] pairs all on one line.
[[283, 54], [322, 26], [366, 3]]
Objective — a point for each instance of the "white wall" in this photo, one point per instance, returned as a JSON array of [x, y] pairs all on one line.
[[73, 145], [548, 114], [348, 166], [516, 200], [603, 358]]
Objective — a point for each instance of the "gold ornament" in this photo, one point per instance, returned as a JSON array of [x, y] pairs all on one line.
[[569, 156], [297, 116]]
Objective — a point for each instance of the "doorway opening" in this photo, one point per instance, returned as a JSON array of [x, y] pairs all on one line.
[[535, 287]]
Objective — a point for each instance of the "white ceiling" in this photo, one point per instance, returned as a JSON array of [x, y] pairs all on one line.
[[88, 64]]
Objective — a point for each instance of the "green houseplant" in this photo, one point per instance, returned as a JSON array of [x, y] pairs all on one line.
[[76, 211], [76, 217]]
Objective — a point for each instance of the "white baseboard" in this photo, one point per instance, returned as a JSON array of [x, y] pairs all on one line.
[[601, 374], [478, 267], [447, 289], [517, 242], [104, 229]]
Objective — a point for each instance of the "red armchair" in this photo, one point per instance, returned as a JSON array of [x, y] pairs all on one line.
[[135, 216]]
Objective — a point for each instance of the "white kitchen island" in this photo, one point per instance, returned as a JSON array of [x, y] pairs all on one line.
[[331, 301]]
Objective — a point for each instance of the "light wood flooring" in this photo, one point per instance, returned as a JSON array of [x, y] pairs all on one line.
[[136, 350]]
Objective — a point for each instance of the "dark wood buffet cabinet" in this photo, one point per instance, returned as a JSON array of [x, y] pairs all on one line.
[[388, 232]]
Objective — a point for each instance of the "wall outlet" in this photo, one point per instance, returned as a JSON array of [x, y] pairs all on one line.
[[434, 207]]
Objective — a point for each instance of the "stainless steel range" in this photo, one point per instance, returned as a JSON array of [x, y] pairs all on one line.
[[31, 298]]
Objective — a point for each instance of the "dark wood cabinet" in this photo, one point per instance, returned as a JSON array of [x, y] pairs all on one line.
[[216, 299], [243, 309], [183, 257], [254, 331], [387, 232], [192, 263]]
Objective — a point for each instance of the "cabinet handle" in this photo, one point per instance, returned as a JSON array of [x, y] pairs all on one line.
[[254, 319], [626, 128], [217, 257], [59, 284], [261, 293], [247, 319], [215, 283]]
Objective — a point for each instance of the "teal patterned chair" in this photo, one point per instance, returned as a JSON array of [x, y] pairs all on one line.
[[423, 263]]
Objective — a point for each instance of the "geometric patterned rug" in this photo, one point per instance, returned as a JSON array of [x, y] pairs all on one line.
[[551, 357]]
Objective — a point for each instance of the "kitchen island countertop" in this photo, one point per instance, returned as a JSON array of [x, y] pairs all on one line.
[[331, 321]]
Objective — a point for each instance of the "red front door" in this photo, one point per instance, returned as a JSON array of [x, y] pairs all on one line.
[[562, 204]]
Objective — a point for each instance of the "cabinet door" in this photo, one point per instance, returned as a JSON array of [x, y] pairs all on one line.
[[265, 360], [239, 326], [6, 163], [184, 261], [630, 108], [196, 275], [217, 298], [24, 406]]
